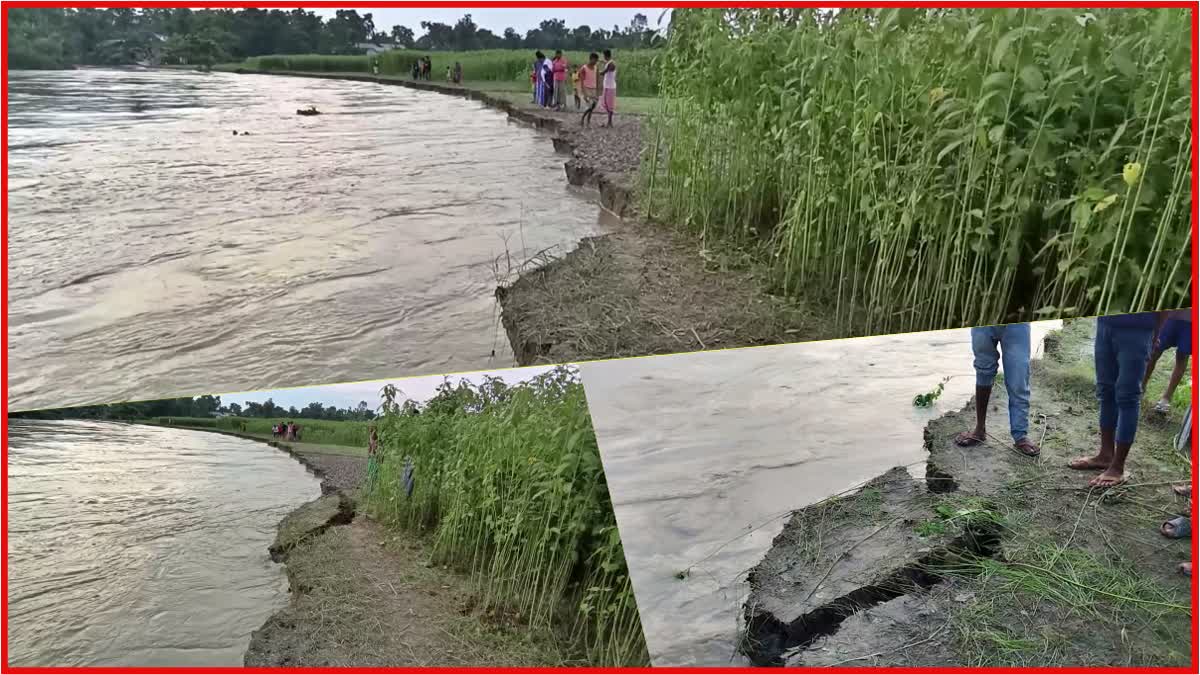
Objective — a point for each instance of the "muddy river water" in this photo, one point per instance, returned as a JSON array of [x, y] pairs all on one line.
[[135, 545], [154, 253], [707, 453]]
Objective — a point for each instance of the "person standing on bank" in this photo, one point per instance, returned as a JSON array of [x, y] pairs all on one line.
[[609, 98], [1013, 341], [588, 80], [559, 66], [1122, 351]]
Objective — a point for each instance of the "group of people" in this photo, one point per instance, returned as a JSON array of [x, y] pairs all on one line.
[[593, 83], [422, 68], [1127, 348], [288, 431]]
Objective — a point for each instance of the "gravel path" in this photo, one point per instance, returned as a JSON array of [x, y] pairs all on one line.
[[338, 472]]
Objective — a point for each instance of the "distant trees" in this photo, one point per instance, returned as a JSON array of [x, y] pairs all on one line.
[[55, 37], [203, 406]]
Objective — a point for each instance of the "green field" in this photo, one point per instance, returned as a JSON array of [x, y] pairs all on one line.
[[637, 76], [324, 432]]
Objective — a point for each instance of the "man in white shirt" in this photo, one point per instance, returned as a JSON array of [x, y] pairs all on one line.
[[609, 97]]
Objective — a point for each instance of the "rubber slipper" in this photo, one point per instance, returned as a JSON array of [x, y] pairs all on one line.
[[1027, 447], [1182, 490], [1185, 569], [1162, 407], [967, 439], [1177, 528]]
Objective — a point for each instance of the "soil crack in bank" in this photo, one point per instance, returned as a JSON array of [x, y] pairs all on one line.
[[833, 560], [311, 520]]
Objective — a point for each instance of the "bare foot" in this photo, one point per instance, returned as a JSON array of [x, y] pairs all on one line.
[[969, 439], [1089, 463], [1109, 478]]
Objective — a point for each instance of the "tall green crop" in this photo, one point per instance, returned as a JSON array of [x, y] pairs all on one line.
[[922, 169], [508, 484]]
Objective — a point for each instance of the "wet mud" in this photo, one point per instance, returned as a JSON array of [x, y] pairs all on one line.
[[993, 558]]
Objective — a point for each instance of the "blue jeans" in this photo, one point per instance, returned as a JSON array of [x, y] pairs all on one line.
[[1013, 341], [1121, 354]]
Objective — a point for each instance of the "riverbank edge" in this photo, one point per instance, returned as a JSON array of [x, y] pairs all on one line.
[[327, 487], [616, 191], [645, 289], [337, 505], [913, 597], [338, 508]]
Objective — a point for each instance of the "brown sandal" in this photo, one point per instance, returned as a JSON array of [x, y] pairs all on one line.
[[1027, 447]]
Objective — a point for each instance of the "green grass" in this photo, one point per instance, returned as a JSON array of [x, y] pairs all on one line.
[[637, 75], [509, 487], [322, 432], [922, 169]]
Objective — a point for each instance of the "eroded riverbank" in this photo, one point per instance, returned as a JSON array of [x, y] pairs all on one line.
[[992, 558], [644, 288], [346, 245], [363, 595]]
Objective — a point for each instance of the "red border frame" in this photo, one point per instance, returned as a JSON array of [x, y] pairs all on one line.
[[1195, 27]]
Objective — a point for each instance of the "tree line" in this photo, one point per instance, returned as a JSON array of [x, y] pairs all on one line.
[[203, 406], [55, 37]]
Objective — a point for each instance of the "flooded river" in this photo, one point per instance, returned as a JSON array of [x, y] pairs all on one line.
[[154, 253], [134, 545], [707, 453]]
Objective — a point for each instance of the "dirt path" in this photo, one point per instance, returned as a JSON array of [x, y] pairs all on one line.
[[994, 559], [364, 596], [648, 288]]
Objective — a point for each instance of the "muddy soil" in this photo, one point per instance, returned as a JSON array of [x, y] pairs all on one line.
[[1002, 560], [635, 293]]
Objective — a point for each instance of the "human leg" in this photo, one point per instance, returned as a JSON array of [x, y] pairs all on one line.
[[1015, 345], [987, 362]]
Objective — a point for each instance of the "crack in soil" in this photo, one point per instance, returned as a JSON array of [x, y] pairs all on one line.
[[769, 640], [342, 514]]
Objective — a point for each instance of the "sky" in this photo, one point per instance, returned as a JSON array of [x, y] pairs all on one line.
[[497, 19], [348, 395]]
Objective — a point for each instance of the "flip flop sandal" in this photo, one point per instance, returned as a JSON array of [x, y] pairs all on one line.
[[1185, 569], [1182, 490], [1162, 407], [1177, 528], [1027, 448], [967, 439]]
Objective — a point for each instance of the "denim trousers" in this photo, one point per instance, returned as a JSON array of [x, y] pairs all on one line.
[[1013, 346], [1121, 355]]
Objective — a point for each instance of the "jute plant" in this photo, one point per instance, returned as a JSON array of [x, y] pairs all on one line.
[[507, 483], [928, 168]]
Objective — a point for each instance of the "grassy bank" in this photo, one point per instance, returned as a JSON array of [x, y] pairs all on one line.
[[509, 66], [992, 558], [921, 169], [325, 432], [507, 484]]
